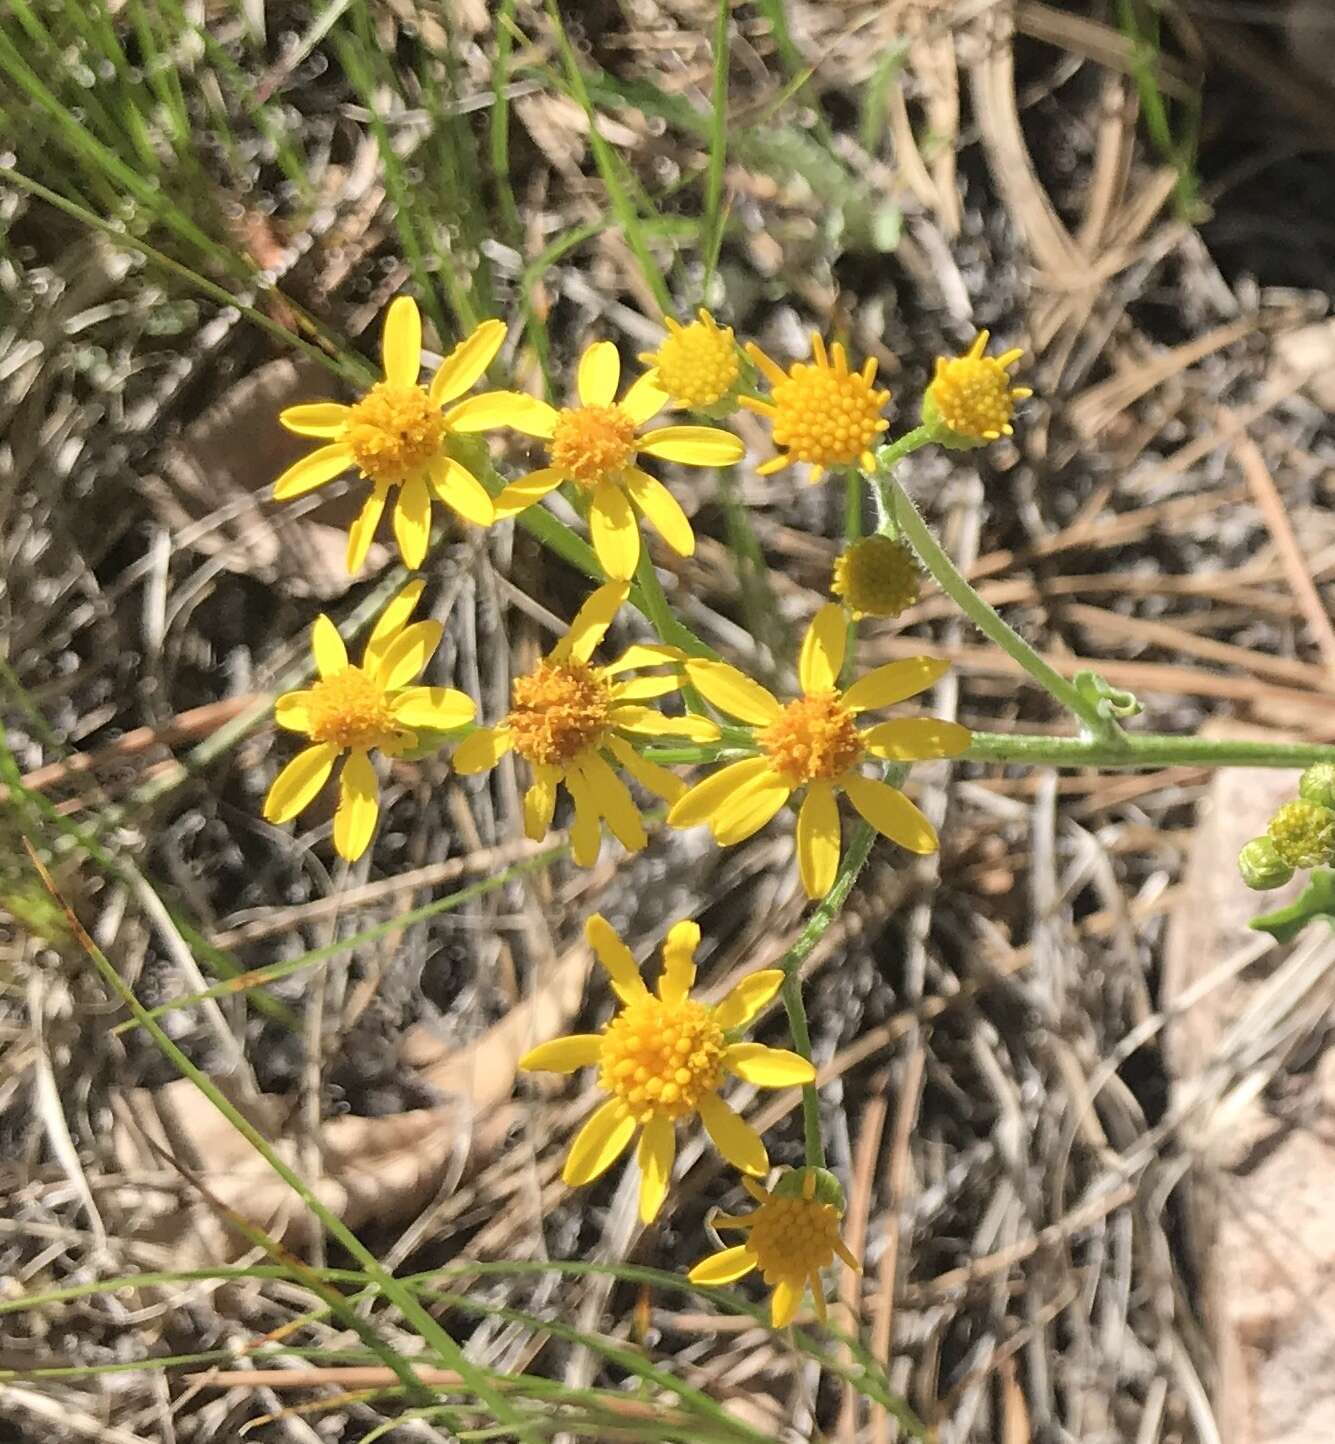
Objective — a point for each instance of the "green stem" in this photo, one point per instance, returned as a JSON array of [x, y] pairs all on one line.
[[1149, 750], [814, 1145], [952, 582]]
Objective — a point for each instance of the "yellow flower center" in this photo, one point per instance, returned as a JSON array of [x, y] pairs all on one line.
[[393, 432], [351, 710], [827, 415], [973, 396], [697, 364], [591, 443], [876, 576], [815, 739], [793, 1238], [661, 1058], [557, 711]]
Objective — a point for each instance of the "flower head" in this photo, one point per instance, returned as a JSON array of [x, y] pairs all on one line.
[[571, 721], [970, 400], [815, 742], [791, 1237], [1261, 866], [396, 433], [697, 364], [595, 445], [662, 1058], [822, 413], [354, 708], [1303, 833], [876, 577]]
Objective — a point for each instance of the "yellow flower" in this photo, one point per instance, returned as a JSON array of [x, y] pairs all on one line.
[[567, 717], [822, 412], [815, 742], [792, 1236], [697, 364], [594, 445], [877, 576], [662, 1058], [395, 433], [355, 708], [970, 400]]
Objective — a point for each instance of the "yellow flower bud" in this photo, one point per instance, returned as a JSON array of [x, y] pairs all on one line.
[[1303, 834], [876, 577]]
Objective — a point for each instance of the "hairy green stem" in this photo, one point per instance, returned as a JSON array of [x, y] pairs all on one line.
[[1148, 750], [952, 581]]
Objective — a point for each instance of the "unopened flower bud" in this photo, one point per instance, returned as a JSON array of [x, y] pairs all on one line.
[[1303, 833], [1261, 866], [1318, 784], [876, 576]]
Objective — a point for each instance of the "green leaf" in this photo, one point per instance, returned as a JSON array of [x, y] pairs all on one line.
[[1317, 901]]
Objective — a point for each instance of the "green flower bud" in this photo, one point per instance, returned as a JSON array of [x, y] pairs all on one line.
[[876, 577], [1261, 866], [1318, 784], [1303, 834]]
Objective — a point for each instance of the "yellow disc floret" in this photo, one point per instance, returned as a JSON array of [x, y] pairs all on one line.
[[815, 739], [697, 365], [971, 400], [394, 431], [350, 709], [822, 413], [1303, 834], [661, 1058], [793, 1238], [558, 710], [592, 443], [877, 576]]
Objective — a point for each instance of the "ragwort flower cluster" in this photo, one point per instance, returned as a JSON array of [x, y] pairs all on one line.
[[665, 1056]]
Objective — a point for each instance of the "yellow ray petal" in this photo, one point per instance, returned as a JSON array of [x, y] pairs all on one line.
[[362, 530], [917, 739], [645, 689], [591, 622], [678, 975], [563, 1055], [322, 465], [724, 1267], [331, 656], [631, 717], [401, 344], [701, 802], [439, 709], [616, 538], [822, 655], [645, 399], [405, 657], [598, 1144], [358, 807], [891, 813], [733, 692], [296, 785], [733, 1136], [540, 802], [615, 957], [528, 490], [643, 654], [614, 802], [292, 711], [391, 622], [747, 998], [747, 811], [649, 775], [818, 839], [662, 510], [586, 833], [599, 375], [481, 751], [657, 1150], [461, 491], [783, 1306], [894, 682], [497, 408], [412, 520], [469, 359], [768, 1067], [693, 445], [315, 418]]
